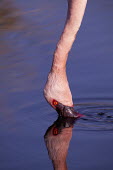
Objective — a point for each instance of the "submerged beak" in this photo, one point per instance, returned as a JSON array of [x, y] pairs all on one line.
[[66, 111]]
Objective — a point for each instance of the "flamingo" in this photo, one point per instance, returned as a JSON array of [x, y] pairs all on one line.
[[57, 90], [57, 139]]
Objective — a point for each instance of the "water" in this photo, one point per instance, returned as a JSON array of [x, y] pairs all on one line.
[[29, 32]]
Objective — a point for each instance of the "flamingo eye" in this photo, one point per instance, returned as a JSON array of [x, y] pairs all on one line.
[[55, 102], [55, 131]]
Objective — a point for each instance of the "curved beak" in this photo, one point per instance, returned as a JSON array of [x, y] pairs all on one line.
[[66, 111]]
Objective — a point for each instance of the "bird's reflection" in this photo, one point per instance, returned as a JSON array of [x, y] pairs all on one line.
[[57, 139]]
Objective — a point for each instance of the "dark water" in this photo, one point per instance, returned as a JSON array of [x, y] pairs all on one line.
[[29, 31]]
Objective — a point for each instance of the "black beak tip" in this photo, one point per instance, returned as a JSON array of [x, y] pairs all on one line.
[[67, 111]]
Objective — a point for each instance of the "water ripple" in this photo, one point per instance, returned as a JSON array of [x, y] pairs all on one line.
[[96, 117]]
